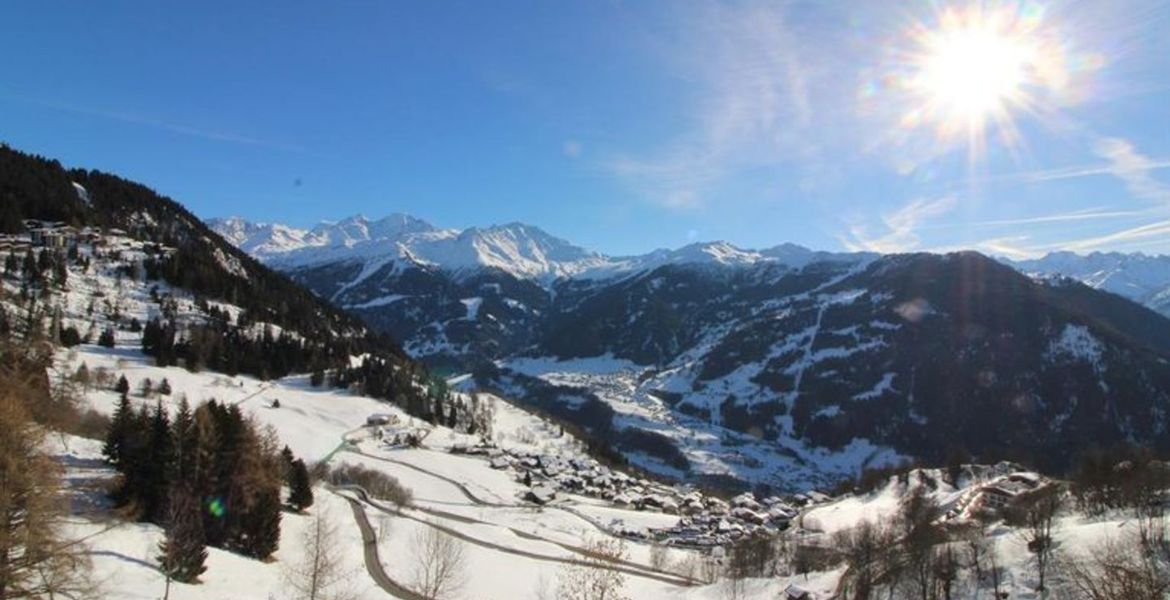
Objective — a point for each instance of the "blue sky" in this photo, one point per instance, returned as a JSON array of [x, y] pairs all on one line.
[[622, 126]]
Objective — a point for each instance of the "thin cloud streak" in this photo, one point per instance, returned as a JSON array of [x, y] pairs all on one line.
[[901, 227], [1133, 168], [1143, 236], [1124, 162], [1075, 172], [1133, 234], [755, 106], [1055, 218], [177, 128]]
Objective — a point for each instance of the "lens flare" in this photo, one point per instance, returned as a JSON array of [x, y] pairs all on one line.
[[216, 507]]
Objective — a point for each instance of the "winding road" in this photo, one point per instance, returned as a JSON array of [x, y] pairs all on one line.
[[467, 493], [621, 566], [378, 573], [373, 562]]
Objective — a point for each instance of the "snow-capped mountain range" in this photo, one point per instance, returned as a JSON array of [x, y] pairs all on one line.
[[521, 250], [1143, 278], [527, 252]]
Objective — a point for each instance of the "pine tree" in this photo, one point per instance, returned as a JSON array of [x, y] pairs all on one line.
[[186, 440], [261, 527], [286, 453], [164, 388], [120, 427], [157, 472], [300, 486], [123, 385], [134, 461], [207, 471], [106, 339], [184, 550]]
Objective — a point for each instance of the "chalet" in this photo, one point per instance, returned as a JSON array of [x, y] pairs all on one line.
[[378, 419], [541, 494], [795, 592]]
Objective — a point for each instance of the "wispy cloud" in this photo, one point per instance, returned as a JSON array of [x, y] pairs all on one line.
[[1077, 172], [753, 107], [1134, 168], [1148, 237], [228, 137], [1082, 215], [899, 228], [1009, 246], [1123, 161], [1124, 238]]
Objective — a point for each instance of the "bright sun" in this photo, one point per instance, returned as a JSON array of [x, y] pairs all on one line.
[[973, 72], [974, 69]]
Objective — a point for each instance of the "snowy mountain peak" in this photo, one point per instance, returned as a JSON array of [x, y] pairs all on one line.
[[259, 239], [718, 252], [358, 229], [522, 250]]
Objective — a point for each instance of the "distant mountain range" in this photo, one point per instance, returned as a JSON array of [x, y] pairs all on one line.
[[1140, 277], [918, 353], [527, 252], [520, 250]]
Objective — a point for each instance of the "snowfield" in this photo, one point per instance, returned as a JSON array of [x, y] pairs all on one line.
[[513, 549]]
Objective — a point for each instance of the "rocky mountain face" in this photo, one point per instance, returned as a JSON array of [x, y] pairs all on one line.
[[928, 355]]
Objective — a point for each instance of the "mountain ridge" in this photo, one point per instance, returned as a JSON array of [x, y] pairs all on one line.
[[1144, 278], [520, 249]]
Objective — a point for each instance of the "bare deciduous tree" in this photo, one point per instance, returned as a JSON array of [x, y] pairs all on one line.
[[983, 561], [1037, 515], [440, 566], [1119, 571], [320, 574], [36, 559], [863, 548], [594, 581], [385, 526], [659, 557]]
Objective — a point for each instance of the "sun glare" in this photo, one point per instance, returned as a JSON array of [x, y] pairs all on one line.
[[970, 71]]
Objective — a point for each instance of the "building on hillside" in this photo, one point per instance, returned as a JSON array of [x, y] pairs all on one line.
[[14, 243], [50, 234], [1002, 492], [378, 419], [795, 592]]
